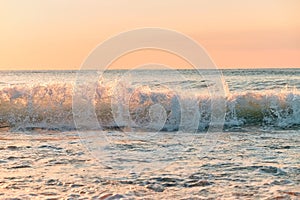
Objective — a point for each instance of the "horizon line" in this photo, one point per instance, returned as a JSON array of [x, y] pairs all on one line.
[[220, 68]]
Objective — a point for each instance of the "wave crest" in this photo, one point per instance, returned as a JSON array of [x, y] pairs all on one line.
[[50, 107]]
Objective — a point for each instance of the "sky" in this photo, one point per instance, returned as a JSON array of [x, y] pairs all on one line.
[[56, 34]]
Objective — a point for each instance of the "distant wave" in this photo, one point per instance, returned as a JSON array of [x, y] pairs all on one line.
[[50, 107]]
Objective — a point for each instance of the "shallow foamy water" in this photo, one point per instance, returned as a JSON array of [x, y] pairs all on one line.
[[244, 164]]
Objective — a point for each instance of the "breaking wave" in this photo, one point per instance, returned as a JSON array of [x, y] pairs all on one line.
[[50, 107]]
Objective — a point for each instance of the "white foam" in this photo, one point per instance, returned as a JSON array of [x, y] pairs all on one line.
[[50, 107]]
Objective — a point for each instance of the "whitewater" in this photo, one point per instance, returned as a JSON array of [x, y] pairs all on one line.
[[43, 99]]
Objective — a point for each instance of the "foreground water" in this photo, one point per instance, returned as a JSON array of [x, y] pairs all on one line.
[[155, 141], [243, 165]]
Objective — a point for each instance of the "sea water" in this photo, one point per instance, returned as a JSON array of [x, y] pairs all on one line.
[[152, 136]]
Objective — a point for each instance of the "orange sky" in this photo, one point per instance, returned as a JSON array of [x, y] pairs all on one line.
[[56, 34]]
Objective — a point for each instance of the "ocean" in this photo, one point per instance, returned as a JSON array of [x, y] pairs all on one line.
[[150, 134]]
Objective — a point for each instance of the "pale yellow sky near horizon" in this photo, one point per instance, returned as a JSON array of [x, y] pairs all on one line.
[[55, 34]]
